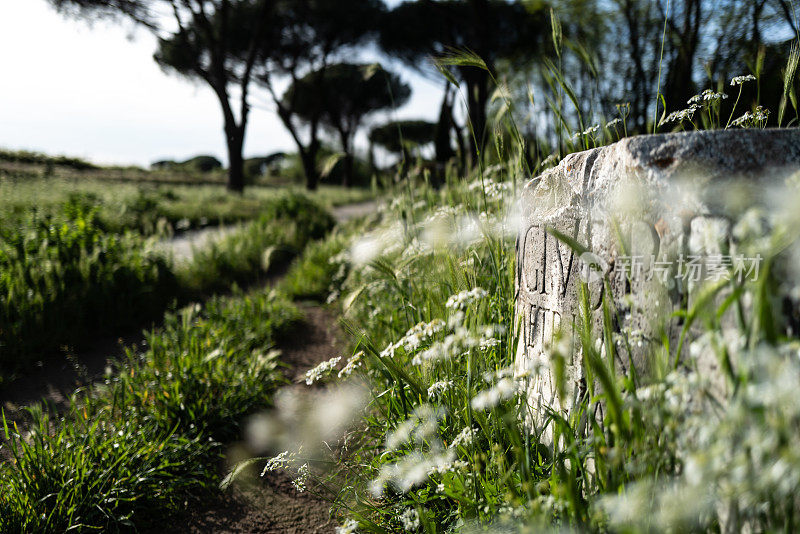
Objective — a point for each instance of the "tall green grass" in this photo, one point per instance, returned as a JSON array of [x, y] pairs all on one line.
[[284, 228], [149, 209], [129, 451], [65, 280], [451, 441]]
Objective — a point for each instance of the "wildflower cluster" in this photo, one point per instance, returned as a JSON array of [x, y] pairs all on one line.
[[410, 520], [492, 189], [437, 388], [588, 131], [321, 370], [459, 341], [756, 118], [464, 438], [301, 480], [740, 80], [281, 461], [463, 299], [462, 424], [680, 115], [504, 386], [707, 96], [353, 363]]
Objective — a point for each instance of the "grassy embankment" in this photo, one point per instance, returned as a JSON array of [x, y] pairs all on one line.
[[131, 449], [75, 261], [445, 442], [65, 279]]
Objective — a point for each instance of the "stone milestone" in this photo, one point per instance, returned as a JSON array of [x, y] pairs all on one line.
[[653, 215]]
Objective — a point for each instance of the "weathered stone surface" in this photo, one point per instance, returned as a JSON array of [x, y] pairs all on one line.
[[655, 197]]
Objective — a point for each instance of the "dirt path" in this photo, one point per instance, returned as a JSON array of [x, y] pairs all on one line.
[[351, 211], [182, 246], [272, 505], [58, 376]]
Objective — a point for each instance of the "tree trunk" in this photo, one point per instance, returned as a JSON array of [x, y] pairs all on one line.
[[347, 174], [347, 164], [235, 139], [308, 154], [309, 160], [444, 150], [477, 96], [679, 85]]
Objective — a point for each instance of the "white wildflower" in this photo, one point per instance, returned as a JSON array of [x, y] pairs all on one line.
[[461, 300], [489, 342], [588, 131], [455, 344], [503, 390], [707, 96], [456, 319], [680, 115], [410, 520], [350, 527], [422, 425], [495, 189], [757, 116], [420, 333], [739, 80], [464, 438], [302, 478], [280, 461], [390, 349], [493, 376], [321, 370], [352, 364], [409, 472], [613, 123], [439, 387]]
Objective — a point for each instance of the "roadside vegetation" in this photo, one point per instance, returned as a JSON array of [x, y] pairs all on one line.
[[445, 442], [148, 208], [131, 449], [449, 439], [138, 445], [74, 265]]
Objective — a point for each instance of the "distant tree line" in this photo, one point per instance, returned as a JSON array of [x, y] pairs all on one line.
[[635, 58]]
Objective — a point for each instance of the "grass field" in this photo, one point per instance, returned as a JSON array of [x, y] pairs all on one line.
[[138, 445], [77, 258], [78, 261], [146, 207]]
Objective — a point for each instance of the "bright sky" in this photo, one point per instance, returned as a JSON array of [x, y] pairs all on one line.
[[95, 92]]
